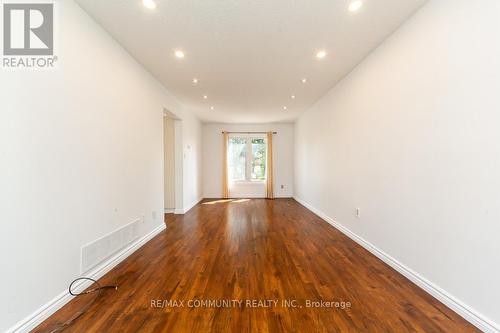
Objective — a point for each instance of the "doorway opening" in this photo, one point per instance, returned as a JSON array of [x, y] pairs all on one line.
[[172, 163]]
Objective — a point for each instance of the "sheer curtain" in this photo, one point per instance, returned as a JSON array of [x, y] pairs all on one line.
[[225, 173], [269, 185]]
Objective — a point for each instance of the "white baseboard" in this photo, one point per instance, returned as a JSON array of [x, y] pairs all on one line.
[[212, 196], [251, 196], [169, 210], [474, 317], [37, 317], [188, 207]]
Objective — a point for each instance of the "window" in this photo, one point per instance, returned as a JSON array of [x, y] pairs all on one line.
[[237, 158], [247, 159], [258, 159]]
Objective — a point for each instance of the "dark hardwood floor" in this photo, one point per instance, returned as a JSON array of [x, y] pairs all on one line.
[[258, 250]]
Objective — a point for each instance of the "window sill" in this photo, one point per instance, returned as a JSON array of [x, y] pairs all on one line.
[[244, 182]]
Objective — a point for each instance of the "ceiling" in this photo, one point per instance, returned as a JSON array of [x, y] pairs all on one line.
[[249, 56]]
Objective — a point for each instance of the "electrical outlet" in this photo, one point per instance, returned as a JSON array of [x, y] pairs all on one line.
[[358, 213], [153, 214]]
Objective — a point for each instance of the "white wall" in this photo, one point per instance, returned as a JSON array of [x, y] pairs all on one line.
[[81, 155], [283, 143], [192, 161], [412, 138]]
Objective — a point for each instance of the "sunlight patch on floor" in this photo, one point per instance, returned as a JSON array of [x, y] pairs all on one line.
[[240, 200], [224, 201]]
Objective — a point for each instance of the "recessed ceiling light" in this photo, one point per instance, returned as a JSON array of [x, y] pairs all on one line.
[[195, 80], [205, 96], [284, 108], [179, 54], [355, 5], [321, 54], [292, 97], [212, 107], [304, 80], [149, 4]]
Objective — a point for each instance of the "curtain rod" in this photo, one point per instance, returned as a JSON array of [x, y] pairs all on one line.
[[247, 132]]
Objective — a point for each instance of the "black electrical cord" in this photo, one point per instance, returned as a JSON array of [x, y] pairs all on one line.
[[96, 290]]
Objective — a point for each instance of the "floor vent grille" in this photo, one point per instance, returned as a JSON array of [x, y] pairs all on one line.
[[97, 251]]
